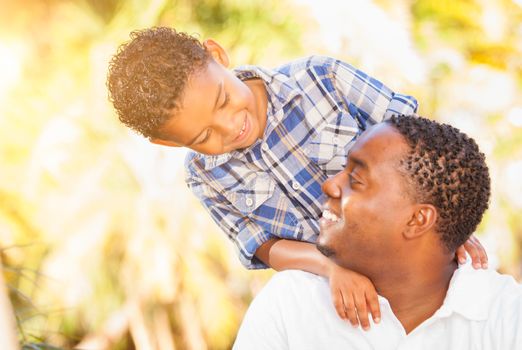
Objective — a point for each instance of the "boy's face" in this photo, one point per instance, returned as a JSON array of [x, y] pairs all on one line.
[[218, 112]]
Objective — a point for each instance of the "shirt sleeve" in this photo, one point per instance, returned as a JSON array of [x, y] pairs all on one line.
[[368, 99], [246, 234], [263, 327]]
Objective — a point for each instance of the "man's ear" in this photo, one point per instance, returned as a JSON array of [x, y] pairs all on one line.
[[218, 53], [164, 142], [422, 220]]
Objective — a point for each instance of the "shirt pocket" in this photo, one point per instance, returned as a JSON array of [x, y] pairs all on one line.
[[329, 147], [249, 189]]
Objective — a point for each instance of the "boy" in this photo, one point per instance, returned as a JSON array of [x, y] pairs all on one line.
[[263, 140]]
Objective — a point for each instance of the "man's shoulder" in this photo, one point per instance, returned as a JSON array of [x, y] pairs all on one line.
[[501, 287], [503, 326], [478, 294], [506, 293], [290, 282], [289, 291], [296, 277], [490, 282]]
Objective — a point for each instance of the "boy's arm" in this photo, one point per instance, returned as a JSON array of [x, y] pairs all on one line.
[[284, 254], [353, 294]]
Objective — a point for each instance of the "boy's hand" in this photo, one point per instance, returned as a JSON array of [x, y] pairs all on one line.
[[475, 250], [354, 296]]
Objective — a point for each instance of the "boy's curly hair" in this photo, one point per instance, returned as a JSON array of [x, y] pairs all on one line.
[[446, 169], [148, 74]]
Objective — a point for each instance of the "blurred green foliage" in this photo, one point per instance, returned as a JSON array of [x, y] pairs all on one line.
[[102, 243]]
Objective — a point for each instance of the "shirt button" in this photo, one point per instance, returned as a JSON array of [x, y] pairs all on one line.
[[335, 140], [264, 147], [295, 185], [249, 202]]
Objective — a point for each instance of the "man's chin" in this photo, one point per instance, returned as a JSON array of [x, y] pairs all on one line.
[[325, 250]]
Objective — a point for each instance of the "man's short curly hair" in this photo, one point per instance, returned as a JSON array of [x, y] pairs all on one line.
[[148, 74], [446, 169]]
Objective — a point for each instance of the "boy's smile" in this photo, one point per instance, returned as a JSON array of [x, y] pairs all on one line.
[[218, 113]]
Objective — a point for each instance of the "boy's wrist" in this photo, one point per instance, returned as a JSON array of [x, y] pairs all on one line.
[[328, 266]]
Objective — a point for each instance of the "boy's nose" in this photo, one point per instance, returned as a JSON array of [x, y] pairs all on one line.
[[225, 126], [229, 125]]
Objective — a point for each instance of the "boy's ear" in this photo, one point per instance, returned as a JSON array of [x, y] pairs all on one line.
[[422, 220], [218, 53], [164, 142]]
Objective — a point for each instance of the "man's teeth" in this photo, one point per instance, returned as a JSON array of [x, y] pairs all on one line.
[[330, 216]]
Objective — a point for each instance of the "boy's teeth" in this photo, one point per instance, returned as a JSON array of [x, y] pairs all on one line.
[[242, 129]]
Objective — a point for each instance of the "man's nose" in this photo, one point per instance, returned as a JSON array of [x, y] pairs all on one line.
[[331, 186]]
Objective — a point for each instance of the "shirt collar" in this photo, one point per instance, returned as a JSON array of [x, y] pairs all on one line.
[[280, 91], [211, 162], [470, 293]]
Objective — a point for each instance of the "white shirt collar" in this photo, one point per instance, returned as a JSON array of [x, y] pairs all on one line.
[[468, 295]]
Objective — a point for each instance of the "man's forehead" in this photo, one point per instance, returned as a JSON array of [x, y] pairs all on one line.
[[379, 143]]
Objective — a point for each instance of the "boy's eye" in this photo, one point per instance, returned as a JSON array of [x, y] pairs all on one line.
[[206, 138]]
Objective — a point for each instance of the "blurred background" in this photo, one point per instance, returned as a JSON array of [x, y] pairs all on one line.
[[102, 244]]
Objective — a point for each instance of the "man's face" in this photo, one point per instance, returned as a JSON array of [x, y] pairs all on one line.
[[368, 206], [218, 114]]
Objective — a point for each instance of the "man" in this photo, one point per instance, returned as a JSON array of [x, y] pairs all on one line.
[[413, 190]]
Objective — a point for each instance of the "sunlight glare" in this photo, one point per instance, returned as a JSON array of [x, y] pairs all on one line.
[[10, 66]]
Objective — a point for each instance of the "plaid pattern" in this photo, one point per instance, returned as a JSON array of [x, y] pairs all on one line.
[[316, 108]]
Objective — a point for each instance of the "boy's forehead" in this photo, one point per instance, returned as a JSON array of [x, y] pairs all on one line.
[[195, 105], [209, 72], [201, 88]]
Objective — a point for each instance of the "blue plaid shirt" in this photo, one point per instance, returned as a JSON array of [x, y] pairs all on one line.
[[316, 108]]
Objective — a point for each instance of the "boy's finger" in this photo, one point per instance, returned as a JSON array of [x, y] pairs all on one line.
[[461, 254], [481, 251], [339, 305], [362, 311], [472, 250], [374, 307], [351, 312]]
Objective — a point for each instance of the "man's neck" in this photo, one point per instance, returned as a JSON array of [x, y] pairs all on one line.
[[419, 293]]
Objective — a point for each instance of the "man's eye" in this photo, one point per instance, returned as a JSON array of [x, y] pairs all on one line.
[[352, 180]]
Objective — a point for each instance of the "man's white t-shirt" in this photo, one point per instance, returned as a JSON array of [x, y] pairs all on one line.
[[482, 310]]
